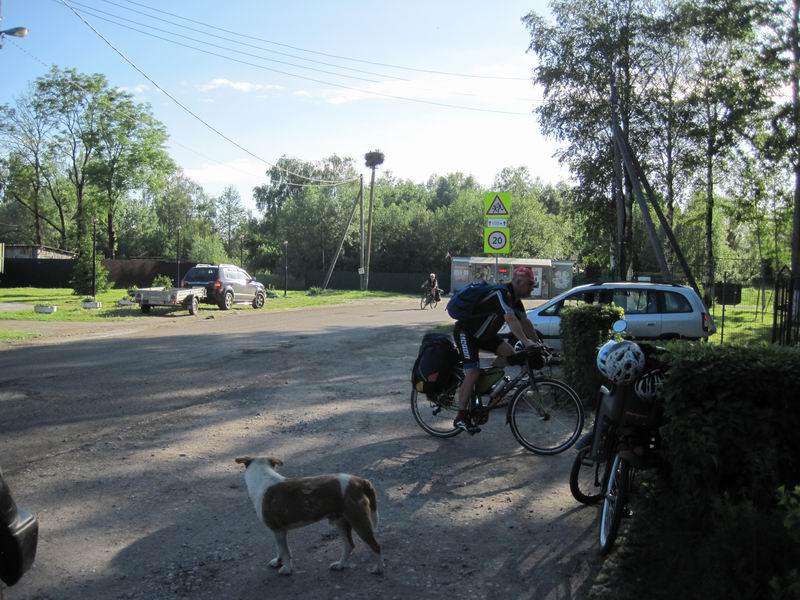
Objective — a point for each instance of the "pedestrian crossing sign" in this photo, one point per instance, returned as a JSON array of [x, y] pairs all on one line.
[[496, 204]]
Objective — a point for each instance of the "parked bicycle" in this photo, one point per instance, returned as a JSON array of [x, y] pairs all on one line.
[[428, 299], [545, 414], [624, 437]]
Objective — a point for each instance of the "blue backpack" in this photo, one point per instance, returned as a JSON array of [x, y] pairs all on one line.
[[462, 304]]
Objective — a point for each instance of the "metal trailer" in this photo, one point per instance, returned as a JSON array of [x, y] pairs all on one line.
[[188, 298]]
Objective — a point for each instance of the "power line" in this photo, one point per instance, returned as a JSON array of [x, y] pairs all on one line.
[[288, 74], [449, 73], [235, 41], [193, 114], [93, 12], [176, 142]]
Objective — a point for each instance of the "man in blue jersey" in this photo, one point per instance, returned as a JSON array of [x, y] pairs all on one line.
[[479, 332]]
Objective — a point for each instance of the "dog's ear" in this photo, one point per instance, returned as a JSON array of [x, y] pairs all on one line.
[[274, 462], [244, 460]]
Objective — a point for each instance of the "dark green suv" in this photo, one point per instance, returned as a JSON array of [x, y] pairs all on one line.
[[226, 285]]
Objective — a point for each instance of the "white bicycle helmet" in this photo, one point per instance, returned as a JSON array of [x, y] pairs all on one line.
[[602, 356], [625, 363], [650, 385]]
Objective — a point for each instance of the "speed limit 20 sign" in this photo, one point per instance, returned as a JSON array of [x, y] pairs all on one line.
[[496, 240]]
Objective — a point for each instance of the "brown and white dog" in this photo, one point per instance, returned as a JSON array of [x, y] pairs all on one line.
[[283, 504]]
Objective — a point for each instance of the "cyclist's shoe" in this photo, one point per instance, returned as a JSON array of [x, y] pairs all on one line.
[[466, 425]]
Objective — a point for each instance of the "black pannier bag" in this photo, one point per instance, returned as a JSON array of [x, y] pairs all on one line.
[[435, 368]]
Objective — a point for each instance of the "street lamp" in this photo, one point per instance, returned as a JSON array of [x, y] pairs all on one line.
[[94, 258], [285, 267], [178, 255], [13, 32]]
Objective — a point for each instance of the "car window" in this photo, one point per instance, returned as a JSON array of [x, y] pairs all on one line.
[[201, 273], [244, 276], [233, 274], [636, 302], [574, 300], [676, 303]]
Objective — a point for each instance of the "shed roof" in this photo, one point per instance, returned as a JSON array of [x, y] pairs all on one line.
[[488, 260]]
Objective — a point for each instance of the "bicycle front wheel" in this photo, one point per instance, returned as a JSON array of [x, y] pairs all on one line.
[[546, 416], [422, 302], [614, 503], [587, 479], [436, 418]]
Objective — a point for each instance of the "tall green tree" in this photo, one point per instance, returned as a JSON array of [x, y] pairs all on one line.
[[231, 216], [727, 92], [131, 150], [73, 101]]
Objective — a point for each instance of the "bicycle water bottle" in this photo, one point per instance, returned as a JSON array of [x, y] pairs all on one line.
[[499, 387]]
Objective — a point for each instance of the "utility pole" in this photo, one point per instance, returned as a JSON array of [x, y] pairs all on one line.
[[361, 217], [373, 160]]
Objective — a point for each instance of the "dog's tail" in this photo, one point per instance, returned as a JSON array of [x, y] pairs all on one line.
[[369, 491]]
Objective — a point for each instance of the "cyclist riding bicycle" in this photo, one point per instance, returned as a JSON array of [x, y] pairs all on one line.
[[431, 285], [479, 332]]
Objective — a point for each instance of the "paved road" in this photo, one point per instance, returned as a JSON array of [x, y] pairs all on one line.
[[122, 441]]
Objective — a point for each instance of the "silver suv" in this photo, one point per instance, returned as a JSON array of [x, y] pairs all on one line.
[[653, 311]]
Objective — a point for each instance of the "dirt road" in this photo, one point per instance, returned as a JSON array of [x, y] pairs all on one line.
[[121, 438]]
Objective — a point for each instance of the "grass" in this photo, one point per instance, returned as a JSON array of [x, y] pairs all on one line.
[[15, 336], [746, 322], [69, 305]]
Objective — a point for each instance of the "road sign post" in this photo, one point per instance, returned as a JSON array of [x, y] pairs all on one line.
[[496, 233]]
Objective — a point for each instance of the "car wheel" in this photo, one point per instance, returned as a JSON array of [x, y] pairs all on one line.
[[258, 301], [227, 301]]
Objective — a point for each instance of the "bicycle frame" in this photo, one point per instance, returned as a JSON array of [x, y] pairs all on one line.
[[501, 399]]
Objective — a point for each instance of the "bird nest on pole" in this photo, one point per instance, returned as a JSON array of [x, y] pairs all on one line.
[[374, 158]]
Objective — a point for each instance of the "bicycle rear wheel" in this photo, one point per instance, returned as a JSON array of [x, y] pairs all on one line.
[[546, 416], [587, 479], [436, 418], [614, 503]]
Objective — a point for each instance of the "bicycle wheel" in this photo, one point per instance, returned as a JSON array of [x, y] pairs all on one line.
[[587, 478], [422, 302], [436, 418], [614, 503], [546, 416]]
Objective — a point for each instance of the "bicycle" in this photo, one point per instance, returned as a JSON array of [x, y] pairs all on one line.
[[428, 299], [545, 414], [623, 440]]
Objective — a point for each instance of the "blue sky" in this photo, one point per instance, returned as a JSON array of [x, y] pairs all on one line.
[[273, 114]]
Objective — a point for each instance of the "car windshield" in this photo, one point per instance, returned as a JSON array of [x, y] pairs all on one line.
[[201, 274]]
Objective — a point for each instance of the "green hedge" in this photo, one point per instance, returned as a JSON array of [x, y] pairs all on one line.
[[733, 422], [583, 329], [721, 525]]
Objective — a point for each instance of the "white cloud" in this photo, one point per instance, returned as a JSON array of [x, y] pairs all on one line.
[[302, 93], [136, 89], [239, 86], [504, 95], [242, 173]]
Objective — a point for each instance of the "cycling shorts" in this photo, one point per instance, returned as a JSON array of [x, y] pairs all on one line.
[[469, 346]]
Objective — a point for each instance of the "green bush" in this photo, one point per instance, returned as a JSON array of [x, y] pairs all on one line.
[[717, 529], [733, 420], [583, 329], [164, 281], [316, 291]]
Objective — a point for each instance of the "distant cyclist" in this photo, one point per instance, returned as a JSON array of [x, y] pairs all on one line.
[[431, 285], [479, 332]]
